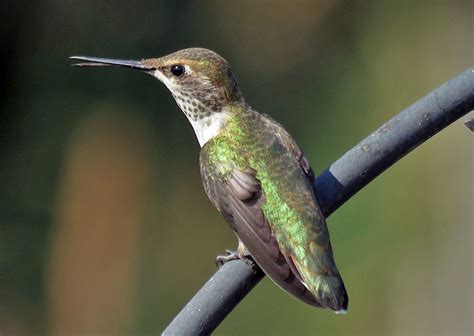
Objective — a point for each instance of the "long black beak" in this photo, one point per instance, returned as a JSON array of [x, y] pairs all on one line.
[[98, 61]]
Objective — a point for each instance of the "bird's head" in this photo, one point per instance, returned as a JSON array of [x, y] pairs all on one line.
[[200, 80]]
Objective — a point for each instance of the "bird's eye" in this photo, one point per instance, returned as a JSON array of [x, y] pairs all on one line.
[[177, 70]]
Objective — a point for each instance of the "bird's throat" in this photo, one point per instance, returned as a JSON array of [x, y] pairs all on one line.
[[208, 127]]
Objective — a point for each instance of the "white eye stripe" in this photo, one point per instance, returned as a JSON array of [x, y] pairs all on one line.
[[187, 69]]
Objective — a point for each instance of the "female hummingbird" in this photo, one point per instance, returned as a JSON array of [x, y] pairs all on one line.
[[254, 173]]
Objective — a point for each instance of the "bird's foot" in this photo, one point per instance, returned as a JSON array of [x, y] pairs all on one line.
[[242, 253], [231, 255]]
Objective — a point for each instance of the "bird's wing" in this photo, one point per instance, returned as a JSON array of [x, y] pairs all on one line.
[[237, 194]]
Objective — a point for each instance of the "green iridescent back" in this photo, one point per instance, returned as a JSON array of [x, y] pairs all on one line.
[[252, 140]]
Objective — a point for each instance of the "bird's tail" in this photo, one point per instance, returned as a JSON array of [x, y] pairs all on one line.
[[330, 292]]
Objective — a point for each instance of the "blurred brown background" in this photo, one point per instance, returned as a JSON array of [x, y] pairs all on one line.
[[104, 226]]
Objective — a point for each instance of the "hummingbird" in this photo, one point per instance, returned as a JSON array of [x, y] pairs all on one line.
[[254, 173]]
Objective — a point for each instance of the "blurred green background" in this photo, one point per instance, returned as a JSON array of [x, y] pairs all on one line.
[[104, 226]]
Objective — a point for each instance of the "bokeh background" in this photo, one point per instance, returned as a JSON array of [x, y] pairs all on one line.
[[104, 226]]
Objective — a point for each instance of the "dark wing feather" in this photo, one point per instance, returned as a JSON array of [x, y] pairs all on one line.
[[239, 197]]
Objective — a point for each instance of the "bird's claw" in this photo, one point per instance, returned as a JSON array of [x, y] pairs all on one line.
[[231, 255]]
